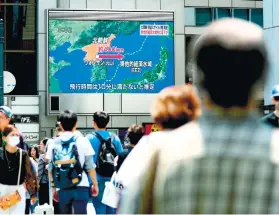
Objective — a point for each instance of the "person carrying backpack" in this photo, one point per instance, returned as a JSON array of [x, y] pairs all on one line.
[[71, 159], [107, 146]]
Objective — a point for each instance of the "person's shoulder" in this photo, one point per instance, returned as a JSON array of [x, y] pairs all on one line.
[[155, 137], [185, 142], [91, 136], [84, 142], [82, 139], [114, 137]]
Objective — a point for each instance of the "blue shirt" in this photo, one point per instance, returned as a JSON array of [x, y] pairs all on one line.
[[95, 143]]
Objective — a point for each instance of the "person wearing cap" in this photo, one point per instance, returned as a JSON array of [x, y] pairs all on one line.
[[272, 119]]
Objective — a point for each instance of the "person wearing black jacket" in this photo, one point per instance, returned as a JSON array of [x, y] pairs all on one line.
[[272, 119], [15, 175]]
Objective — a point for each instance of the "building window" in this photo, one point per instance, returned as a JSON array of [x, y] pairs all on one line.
[[241, 14], [257, 16], [203, 16], [223, 13], [20, 44]]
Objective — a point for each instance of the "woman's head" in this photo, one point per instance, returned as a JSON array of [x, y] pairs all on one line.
[[10, 136], [135, 133], [34, 152], [175, 106]]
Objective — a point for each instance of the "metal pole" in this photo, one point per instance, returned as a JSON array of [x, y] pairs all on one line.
[[1, 62]]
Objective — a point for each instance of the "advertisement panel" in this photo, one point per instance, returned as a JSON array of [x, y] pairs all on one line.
[[106, 54], [150, 127]]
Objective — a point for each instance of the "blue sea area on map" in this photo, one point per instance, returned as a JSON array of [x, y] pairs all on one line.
[[80, 73]]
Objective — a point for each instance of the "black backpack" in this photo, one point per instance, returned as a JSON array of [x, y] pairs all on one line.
[[106, 155]]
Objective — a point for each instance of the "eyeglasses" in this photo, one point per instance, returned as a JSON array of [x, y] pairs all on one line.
[[276, 98]]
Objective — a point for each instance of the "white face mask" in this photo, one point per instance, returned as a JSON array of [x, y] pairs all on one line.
[[13, 140]]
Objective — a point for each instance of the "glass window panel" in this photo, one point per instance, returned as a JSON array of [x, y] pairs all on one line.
[[203, 16], [223, 13], [23, 66], [241, 14], [189, 16], [257, 16], [20, 25], [17, 1], [1, 11]]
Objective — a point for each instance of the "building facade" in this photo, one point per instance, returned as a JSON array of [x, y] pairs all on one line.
[[190, 17]]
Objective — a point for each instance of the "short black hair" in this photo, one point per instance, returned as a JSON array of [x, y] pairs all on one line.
[[101, 119], [68, 120], [44, 141], [229, 74]]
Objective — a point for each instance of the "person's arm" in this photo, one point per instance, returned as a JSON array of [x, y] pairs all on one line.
[[118, 145], [89, 165], [30, 178], [50, 144], [92, 140]]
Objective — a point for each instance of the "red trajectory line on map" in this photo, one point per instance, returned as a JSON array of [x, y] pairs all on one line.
[[110, 56]]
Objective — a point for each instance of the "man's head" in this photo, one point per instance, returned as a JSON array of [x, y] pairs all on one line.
[[5, 117], [68, 120], [231, 57], [100, 120], [275, 96]]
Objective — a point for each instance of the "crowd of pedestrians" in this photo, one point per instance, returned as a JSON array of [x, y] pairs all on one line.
[[210, 156]]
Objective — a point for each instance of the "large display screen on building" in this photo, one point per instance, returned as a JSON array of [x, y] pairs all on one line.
[[128, 55]]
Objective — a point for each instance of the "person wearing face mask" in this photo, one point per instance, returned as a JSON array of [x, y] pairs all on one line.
[[15, 172]]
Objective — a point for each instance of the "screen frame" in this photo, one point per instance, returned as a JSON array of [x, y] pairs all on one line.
[[48, 96]]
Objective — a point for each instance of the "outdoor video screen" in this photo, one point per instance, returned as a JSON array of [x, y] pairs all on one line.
[[88, 55]]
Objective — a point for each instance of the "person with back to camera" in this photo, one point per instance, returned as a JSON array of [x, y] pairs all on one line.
[[226, 162], [172, 108], [15, 169], [134, 134], [104, 157], [71, 159]]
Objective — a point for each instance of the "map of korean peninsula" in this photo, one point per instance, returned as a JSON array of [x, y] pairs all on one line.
[[110, 56], [93, 49]]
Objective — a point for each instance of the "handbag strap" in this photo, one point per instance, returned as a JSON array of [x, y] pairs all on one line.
[[20, 163]]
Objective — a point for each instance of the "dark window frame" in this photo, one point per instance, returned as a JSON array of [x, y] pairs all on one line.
[[4, 5]]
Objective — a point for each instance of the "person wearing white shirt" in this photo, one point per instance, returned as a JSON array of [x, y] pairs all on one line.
[[173, 107], [77, 197]]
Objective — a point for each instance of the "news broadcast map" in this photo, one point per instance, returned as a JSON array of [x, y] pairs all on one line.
[[110, 56]]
